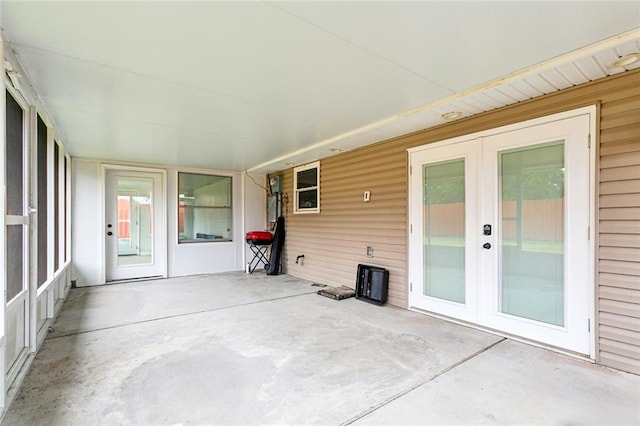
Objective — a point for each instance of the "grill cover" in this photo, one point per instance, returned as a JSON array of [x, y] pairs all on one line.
[[259, 238]]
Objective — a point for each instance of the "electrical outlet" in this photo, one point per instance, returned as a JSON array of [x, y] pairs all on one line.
[[369, 251]]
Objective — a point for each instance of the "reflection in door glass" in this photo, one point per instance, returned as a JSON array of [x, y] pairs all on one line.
[[444, 230], [532, 232], [135, 224]]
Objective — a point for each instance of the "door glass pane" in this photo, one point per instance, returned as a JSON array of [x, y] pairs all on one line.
[[532, 232], [444, 226], [135, 224], [15, 255]]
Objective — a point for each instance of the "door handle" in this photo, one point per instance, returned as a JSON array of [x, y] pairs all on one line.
[[486, 246]]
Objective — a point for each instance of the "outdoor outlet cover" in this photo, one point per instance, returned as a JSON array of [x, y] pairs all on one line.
[[369, 251], [367, 196]]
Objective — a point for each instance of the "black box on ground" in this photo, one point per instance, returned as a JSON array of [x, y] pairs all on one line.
[[372, 284]]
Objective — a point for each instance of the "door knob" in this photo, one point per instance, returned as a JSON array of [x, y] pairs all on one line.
[[486, 246]]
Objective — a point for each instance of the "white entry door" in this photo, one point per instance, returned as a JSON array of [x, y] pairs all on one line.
[[500, 232], [135, 227]]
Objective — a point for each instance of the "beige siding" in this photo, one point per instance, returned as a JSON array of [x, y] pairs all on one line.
[[335, 240], [619, 233]]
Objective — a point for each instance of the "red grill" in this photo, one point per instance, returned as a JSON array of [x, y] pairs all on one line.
[[259, 242], [259, 238]]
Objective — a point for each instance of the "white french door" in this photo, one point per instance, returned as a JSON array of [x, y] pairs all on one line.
[[135, 225], [500, 231], [444, 235]]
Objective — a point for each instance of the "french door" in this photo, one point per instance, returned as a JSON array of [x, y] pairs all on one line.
[[135, 225], [500, 231]]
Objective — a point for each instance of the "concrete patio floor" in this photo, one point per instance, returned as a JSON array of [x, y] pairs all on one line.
[[255, 349]]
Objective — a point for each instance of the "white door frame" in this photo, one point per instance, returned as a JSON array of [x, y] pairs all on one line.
[[161, 227], [415, 258], [27, 296]]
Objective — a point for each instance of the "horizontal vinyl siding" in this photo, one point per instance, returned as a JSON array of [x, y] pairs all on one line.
[[335, 240], [618, 301]]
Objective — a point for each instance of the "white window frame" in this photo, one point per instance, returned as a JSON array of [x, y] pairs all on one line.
[[296, 170], [230, 208]]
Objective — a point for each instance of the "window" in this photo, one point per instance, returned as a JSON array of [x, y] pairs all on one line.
[[306, 182], [204, 208]]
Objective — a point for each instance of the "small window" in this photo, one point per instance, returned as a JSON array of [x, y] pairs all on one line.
[[204, 208], [306, 181]]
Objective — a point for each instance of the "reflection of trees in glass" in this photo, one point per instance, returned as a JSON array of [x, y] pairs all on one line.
[[444, 182], [445, 191], [532, 198], [533, 174], [534, 184]]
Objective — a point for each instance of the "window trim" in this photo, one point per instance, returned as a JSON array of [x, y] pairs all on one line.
[[296, 191]]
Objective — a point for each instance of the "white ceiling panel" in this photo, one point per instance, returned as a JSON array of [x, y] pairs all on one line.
[[425, 119], [540, 83], [555, 79], [499, 96], [477, 102], [526, 88], [572, 73], [459, 44], [256, 85], [249, 51], [591, 68], [466, 106]]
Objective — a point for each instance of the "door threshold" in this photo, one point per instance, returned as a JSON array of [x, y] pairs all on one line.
[[561, 351], [135, 280]]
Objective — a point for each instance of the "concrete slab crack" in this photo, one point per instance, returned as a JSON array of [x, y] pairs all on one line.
[[185, 314], [411, 389]]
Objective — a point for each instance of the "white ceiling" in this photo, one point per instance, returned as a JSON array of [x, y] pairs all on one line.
[[262, 85]]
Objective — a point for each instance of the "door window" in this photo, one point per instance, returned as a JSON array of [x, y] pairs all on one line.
[[444, 227], [532, 232], [135, 220]]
